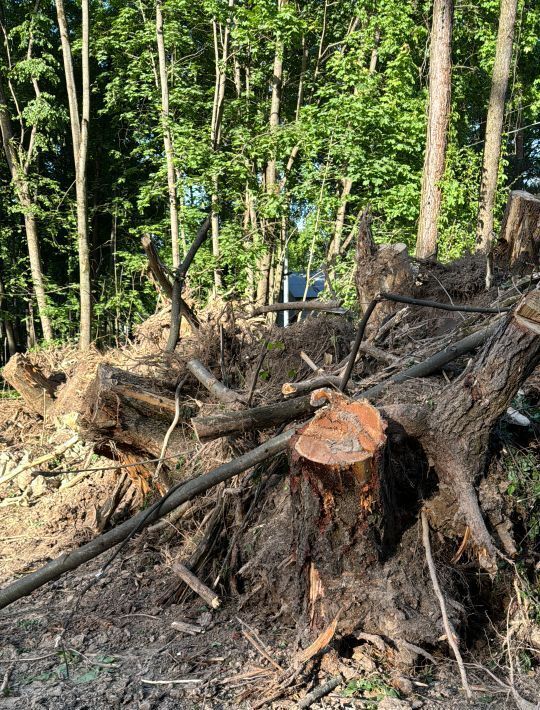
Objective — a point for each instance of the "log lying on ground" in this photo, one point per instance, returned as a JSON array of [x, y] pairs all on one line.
[[212, 384], [180, 494], [520, 230], [326, 306], [132, 411], [216, 425], [36, 390]]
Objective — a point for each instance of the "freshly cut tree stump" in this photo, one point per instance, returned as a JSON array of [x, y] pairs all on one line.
[[36, 390], [338, 502], [520, 231]]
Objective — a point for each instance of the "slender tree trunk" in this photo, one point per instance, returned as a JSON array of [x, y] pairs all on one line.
[[79, 134], [215, 134], [20, 183], [494, 125], [264, 288], [167, 137], [8, 325], [440, 74], [335, 244]]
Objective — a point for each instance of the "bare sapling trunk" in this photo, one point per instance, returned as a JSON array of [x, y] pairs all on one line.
[[494, 125], [167, 137], [267, 260], [440, 74], [215, 133], [19, 178], [79, 135]]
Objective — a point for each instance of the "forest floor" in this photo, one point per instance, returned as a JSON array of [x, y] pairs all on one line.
[[121, 650]]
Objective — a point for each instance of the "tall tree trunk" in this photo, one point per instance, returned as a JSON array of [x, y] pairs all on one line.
[[167, 137], [8, 325], [20, 183], [494, 125], [215, 133], [264, 288], [79, 134], [440, 74]]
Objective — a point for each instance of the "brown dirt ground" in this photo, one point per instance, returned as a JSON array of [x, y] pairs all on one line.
[[120, 649]]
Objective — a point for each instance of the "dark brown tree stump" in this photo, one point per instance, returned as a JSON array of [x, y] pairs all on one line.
[[380, 268], [36, 390], [520, 232]]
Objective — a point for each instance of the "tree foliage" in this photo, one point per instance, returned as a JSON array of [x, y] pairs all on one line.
[[353, 108]]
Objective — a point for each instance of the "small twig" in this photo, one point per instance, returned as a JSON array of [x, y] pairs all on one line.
[[450, 634], [170, 682], [320, 692], [172, 427], [260, 361], [187, 576], [5, 681]]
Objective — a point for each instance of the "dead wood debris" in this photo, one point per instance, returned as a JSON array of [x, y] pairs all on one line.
[[139, 423]]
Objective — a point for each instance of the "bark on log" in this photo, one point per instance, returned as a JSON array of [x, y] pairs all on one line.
[[132, 411], [36, 390], [216, 425], [520, 231]]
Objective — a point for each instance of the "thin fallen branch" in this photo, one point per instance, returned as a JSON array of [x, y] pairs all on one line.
[[178, 285], [212, 384], [327, 306], [176, 496], [320, 692], [313, 383], [194, 583], [450, 633], [260, 361]]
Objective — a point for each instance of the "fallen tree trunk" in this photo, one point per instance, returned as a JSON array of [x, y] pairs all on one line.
[[132, 411], [36, 390], [180, 494], [216, 425]]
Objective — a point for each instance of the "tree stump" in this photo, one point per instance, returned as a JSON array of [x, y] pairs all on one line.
[[380, 268], [36, 390], [337, 498], [520, 231]]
